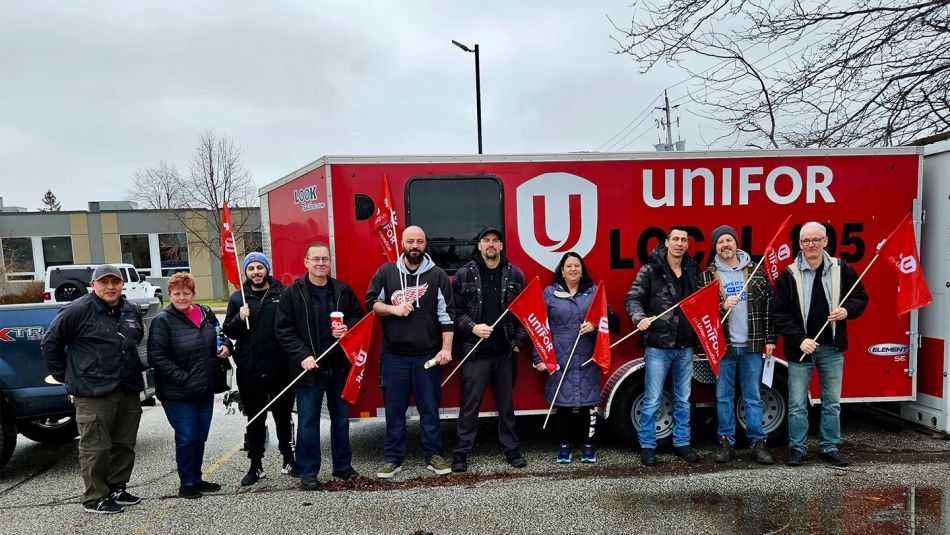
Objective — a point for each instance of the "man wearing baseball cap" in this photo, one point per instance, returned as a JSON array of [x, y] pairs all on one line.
[[483, 288], [262, 370], [92, 348]]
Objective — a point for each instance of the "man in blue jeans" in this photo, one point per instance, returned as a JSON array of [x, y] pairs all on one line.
[[414, 299], [305, 332], [807, 294], [751, 337], [669, 276]]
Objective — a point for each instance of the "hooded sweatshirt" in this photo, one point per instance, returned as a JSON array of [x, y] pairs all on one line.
[[732, 280], [428, 288]]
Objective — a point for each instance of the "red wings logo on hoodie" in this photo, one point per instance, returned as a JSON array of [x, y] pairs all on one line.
[[411, 294]]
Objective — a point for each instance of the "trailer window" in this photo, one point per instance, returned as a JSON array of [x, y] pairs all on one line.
[[453, 210]]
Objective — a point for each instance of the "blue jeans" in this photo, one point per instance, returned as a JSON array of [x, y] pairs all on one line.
[[309, 403], [191, 420], [830, 365], [403, 375], [658, 364], [749, 365]]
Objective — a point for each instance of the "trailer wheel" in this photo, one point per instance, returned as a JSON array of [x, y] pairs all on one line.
[[774, 412], [50, 430], [625, 416], [7, 435], [70, 290]]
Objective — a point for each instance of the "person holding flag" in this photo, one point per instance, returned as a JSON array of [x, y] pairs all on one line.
[[746, 293], [808, 294], [667, 278], [305, 330], [483, 288], [567, 300]]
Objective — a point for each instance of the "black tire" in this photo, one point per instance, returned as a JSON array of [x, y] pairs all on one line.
[[625, 415], [7, 435], [50, 430], [774, 411], [70, 290]]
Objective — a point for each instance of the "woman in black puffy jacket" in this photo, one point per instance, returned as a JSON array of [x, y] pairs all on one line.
[[190, 359]]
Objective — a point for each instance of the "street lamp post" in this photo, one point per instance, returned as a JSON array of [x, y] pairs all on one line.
[[478, 90]]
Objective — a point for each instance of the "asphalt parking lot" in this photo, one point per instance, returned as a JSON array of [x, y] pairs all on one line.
[[897, 484]]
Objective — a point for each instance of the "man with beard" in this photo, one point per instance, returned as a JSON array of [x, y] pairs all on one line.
[[261, 363], [751, 336], [483, 288], [414, 299]]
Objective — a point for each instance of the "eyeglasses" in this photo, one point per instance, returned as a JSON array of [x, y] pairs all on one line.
[[812, 241], [319, 259]]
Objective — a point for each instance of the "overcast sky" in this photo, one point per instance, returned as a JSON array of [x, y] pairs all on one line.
[[92, 91]]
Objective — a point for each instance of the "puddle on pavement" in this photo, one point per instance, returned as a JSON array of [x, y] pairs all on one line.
[[873, 510]]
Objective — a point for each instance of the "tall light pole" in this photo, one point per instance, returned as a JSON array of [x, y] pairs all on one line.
[[478, 90]]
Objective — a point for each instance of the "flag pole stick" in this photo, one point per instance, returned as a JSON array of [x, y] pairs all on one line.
[[561, 382], [247, 320], [432, 362], [745, 286], [292, 383], [635, 331], [843, 299], [628, 335]]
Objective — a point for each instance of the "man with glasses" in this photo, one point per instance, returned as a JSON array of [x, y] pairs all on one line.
[[808, 294], [305, 332]]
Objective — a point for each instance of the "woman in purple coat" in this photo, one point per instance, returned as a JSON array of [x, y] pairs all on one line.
[[567, 300]]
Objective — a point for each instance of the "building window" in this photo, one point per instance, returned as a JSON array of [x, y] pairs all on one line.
[[18, 258], [173, 251], [57, 251], [135, 251], [253, 242]]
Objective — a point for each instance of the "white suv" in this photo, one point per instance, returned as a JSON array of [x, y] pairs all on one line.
[[68, 283]]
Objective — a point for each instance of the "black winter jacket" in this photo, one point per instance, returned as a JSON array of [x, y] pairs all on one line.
[[653, 291], [297, 328], [185, 357], [467, 292], [257, 352], [92, 354]]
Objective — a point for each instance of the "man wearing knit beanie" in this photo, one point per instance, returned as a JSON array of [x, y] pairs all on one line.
[[751, 336]]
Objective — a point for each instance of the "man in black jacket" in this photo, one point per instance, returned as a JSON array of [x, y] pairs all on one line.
[[92, 348], [262, 370], [807, 294], [305, 332]]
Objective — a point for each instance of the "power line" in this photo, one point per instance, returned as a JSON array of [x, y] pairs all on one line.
[[639, 115]]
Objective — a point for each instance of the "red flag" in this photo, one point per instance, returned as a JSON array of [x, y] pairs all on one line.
[[228, 251], [355, 344], [702, 311], [529, 308], [900, 251], [384, 223], [597, 315], [778, 253]]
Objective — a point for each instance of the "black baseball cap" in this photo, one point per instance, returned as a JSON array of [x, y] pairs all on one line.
[[491, 230]]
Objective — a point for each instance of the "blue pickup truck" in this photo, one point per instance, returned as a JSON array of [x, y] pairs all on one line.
[[31, 402]]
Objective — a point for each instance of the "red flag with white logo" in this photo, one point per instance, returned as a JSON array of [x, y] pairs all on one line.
[[355, 344], [597, 316], [384, 222], [900, 251], [778, 253], [228, 251], [529, 308], [702, 311]]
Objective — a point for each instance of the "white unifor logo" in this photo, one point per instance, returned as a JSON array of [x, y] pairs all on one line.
[[907, 264], [361, 358], [603, 326], [784, 252], [557, 213]]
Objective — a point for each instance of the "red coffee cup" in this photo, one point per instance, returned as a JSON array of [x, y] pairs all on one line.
[[336, 319]]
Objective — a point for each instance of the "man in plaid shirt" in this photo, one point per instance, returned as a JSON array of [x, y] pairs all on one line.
[[751, 336]]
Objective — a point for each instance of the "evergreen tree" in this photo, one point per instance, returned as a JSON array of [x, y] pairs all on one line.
[[50, 203]]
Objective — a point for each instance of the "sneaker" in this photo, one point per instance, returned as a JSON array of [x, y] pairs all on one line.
[[207, 486], [290, 468], [309, 483], [589, 455], [834, 458], [760, 454], [121, 497], [515, 459], [253, 475], [346, 474], [459, 462], [388, 470], [564, 454], [725, 453], [105, 506], [795, 458], [648, 457], [438, 465], [189, 492], [686, 453]]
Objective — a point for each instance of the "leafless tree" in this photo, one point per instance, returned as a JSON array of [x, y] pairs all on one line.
[[158, 187], [800, 73]]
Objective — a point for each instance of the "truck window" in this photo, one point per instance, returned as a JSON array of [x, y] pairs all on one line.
[[133, 275], [453, 210]]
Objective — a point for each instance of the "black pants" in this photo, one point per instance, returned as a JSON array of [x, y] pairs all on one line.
[[256, 392], [576, 424], [476, 374]]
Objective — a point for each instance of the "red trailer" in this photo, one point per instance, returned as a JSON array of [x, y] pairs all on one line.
[[613, 209]]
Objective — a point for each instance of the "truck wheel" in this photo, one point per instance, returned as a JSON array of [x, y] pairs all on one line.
[[774, 412], [50, 430], [70, 290], [625, 416], [7, 436]]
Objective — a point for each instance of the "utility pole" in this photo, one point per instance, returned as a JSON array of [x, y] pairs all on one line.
[[668, 124]]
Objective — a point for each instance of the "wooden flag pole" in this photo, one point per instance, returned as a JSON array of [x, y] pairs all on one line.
[[247, 320], [559, 383], [744, 286], [432, 362]]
